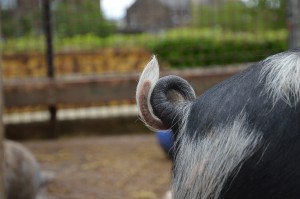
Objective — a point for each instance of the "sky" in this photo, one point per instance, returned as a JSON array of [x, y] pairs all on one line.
[[115, 9]]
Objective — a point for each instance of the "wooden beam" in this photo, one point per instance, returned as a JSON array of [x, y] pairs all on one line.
[[91, 89]]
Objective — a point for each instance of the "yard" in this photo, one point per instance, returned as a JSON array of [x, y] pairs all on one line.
[[111, 167], [76, 42]]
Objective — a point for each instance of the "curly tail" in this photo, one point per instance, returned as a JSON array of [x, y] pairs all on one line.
[[162, 102]]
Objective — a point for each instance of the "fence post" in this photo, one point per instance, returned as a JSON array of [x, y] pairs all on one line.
[[293, 20], [1, 131], [47, 21]]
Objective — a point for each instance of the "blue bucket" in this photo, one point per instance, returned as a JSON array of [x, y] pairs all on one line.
[[165, 140]]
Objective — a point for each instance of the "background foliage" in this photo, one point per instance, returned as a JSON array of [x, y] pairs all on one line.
[[244, 15], [235, 32], [69, 18], [87, 19]]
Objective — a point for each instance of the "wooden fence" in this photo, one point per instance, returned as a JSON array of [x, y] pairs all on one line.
[[93, 89], [85, 90]]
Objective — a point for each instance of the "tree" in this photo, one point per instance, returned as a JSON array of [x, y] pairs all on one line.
[[241, 15], [81, 17]]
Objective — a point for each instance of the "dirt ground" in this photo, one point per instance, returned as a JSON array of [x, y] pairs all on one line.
[[104, 167]]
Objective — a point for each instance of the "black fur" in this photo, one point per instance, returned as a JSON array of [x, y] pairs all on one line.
[[273, 171], [168, 109]]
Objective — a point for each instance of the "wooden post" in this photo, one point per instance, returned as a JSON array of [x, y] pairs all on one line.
[[293, 20], [1, 132], [49, 58]]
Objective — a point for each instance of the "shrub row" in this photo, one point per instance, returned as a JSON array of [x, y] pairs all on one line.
[[176, 48], [221, 50]]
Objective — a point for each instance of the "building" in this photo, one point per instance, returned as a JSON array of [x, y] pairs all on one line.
[[156, 15]]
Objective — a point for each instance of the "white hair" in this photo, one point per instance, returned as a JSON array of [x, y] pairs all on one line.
[[22, 177], [203, 165], [282, 77], [168, 195]]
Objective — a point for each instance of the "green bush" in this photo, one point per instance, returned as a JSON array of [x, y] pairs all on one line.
[[219, 48], [175, 48]]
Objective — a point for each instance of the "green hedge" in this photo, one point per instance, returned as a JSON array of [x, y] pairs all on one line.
[[175, 48], [214, 49]]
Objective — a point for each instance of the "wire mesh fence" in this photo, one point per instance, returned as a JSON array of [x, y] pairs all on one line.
[[87, 39], [195, 33]]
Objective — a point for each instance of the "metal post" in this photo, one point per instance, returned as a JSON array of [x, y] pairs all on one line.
[[49, 57], [293, 20], [1, 132]]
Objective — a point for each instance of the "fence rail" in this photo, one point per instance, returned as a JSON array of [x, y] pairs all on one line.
[[92, 89], [80, 91]]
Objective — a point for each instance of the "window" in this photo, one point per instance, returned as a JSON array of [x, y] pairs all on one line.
[[8, 4]]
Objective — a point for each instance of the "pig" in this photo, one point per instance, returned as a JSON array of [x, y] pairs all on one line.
[[238, 140]]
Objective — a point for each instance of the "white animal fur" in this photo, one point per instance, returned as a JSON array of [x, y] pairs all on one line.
[[151, 74], [168, 195], [282, 74], [22, 176], [203, 166]]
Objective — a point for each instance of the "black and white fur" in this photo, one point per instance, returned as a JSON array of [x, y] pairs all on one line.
[[238, 140]]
